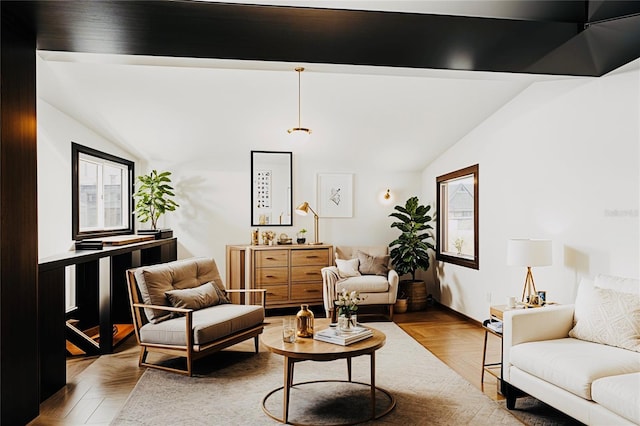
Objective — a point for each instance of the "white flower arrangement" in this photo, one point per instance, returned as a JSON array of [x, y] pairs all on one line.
[[348, 302]]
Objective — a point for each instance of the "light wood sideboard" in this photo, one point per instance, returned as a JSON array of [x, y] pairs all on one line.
[[290, 273]]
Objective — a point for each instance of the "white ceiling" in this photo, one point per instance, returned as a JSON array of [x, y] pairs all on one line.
[[182, 109]]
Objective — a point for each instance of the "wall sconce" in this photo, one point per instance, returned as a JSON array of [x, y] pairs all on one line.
[[303, 210], [386, 197]]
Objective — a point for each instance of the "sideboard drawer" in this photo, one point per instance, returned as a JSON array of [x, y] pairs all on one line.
[[266, 276], [310, 257], [306, 291], [277, 293], [269, 258], [291, 274], [306, 273]]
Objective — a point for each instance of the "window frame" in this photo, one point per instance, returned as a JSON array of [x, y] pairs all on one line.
[[442, 208], [76, 234]]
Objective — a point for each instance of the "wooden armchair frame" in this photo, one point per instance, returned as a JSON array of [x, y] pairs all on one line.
[[187, 351]]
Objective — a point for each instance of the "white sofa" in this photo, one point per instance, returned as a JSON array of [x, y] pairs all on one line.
[[564, 355]]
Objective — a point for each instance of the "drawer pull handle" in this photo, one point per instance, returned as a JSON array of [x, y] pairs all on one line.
[[271, 258], [270, 276], [270, 294], [312, 291], [312, 273], [312, 257]]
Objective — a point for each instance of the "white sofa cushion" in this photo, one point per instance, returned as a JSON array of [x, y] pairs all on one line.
[[625, 285], [607, 316], [620, 394], [573, 364], [208, 324], [348, 268], [364, 284]]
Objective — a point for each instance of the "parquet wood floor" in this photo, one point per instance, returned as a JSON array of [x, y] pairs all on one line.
[[94, 396]]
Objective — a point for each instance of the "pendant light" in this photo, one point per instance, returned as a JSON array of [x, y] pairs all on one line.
[[299, 133]]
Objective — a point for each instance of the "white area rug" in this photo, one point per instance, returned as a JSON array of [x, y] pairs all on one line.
[[229, 386]]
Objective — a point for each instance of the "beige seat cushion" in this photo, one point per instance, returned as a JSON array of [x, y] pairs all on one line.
[[208, 324], [154, 281], [364, 284], [620, 394], [573, 364]]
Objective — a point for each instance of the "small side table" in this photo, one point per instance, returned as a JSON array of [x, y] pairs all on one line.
[[494, 368]]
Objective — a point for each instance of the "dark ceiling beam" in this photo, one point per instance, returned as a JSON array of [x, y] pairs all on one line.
[[553, 41]]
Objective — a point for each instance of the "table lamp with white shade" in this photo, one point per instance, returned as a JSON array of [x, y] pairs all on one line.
[[525, 252]]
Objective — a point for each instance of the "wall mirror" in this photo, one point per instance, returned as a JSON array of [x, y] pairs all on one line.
[[457, 236], [271, 188]]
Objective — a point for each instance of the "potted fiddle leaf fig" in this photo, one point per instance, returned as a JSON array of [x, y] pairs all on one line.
[[410, 251], [154, 198]]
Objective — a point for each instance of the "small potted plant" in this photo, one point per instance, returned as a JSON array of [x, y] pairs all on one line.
[[154, 198], [301, 238]]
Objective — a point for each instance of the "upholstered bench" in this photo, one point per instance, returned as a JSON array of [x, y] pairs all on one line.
[[186, 311]]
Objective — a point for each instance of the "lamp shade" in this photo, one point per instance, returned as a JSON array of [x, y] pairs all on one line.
[[303, 209], [523, 252]]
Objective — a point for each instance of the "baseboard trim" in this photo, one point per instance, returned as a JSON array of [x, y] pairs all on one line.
[[459, 314]]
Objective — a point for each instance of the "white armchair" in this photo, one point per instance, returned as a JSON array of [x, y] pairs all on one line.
[[366, 270]]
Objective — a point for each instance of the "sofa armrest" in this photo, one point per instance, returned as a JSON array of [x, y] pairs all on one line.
[[393, 279], [535, 324], [329, 279]]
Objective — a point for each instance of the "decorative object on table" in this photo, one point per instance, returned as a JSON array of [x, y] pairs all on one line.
[[255, 237], [347, 305], [288, 329], [335, 194], [332, 335], [542, 297], [304, 322], [267, 237], [301, 239], [284, 239], [527, 252], [154, 197], [301, 134], [89, 245], [410, 251], [303, 210]]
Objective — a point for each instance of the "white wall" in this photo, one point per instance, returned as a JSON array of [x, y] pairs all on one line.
[[215, 206], [559, 162], [56, 131], [214, 196]]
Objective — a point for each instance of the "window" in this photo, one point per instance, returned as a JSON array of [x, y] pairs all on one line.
[[102, 194], [457, 233]]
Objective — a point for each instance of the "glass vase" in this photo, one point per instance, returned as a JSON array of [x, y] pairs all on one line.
[[347, 322], [304, 320]]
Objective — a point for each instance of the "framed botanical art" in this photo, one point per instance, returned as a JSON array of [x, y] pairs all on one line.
[[335, 194]]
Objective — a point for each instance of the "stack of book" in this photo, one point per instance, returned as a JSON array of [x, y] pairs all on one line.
[[495, 326], [331, 335]]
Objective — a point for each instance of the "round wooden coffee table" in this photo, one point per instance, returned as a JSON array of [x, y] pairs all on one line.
[[307, 349]]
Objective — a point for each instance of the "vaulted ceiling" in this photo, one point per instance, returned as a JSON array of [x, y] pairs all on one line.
[[417, 74]]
